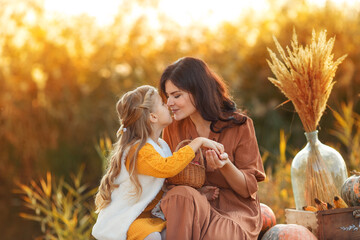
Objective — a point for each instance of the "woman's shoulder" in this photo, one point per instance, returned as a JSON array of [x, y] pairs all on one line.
[[245, 130], [243, 126], [234, 120], [239, 116]]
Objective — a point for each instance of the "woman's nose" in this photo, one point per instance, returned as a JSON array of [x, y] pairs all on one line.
[[169, 102]]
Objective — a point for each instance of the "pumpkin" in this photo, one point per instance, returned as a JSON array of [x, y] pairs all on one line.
[[288, 232], [268, 218], [350, 190]]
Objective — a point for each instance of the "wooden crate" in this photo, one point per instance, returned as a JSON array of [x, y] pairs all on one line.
[[336, 224]]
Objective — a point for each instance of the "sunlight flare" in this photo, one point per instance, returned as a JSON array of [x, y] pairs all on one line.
[[184, 13]]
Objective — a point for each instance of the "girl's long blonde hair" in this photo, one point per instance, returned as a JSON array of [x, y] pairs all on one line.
[[133, 110]]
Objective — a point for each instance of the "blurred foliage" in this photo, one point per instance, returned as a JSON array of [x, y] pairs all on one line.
[[60, 78], [63, 210], [347, 131], [103, 148], [277, 185]]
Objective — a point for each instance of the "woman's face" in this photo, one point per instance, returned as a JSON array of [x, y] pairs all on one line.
[[180, 102]]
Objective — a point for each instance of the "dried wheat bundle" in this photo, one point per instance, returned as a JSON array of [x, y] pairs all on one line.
[[319, 182], [306, 75]]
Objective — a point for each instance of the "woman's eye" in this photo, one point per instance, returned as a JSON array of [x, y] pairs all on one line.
[[177, 96]]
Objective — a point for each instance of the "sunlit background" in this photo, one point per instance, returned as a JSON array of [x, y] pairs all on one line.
[[185, 13], [64, 63]]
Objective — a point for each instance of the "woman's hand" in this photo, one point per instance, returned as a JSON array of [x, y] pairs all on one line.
[[167, 186], [214, 162], [210, 192], [218, 148]]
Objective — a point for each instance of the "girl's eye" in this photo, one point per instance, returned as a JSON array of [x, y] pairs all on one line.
[[177, 96]]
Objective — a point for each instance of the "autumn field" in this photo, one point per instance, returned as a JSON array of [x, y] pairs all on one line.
[[60, 77]]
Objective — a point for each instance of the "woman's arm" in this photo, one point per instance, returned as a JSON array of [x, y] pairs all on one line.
[[234, 177], [245, 168]]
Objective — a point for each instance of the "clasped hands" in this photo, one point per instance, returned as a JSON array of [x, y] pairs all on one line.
[[216, 161], [215, 155]]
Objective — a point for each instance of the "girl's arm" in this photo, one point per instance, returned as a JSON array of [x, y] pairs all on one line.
[[150, 162], [206, 143]]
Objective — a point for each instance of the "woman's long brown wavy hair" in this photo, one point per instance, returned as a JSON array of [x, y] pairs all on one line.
[[133, 110], [210, 93]]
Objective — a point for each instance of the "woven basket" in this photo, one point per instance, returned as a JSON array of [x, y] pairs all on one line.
[[193, 174]]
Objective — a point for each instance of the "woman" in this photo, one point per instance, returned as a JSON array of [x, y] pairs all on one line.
[[202, 106]]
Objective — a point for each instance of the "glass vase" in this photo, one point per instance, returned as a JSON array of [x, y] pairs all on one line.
[[317, 171]]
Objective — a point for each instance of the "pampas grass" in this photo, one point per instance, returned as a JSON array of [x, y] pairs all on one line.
[[305, 75]]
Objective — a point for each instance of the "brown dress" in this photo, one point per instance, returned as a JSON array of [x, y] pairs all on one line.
[[190, 215]]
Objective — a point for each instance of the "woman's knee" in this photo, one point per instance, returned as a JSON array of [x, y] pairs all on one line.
[[184, 195], [184, 191]]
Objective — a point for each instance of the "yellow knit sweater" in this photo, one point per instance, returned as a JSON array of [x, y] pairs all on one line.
[[151, 163]]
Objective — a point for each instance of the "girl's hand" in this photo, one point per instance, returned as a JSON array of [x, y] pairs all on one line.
[[217, 147], [213, 160]]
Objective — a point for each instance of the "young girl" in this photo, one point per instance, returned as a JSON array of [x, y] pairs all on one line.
[[139, 164]]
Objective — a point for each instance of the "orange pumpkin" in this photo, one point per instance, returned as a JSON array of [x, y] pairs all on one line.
[[350, 190], [288, 232], [268, 217]]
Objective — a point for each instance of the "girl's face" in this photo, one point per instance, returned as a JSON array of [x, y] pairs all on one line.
[[180, 102], [162, 112]]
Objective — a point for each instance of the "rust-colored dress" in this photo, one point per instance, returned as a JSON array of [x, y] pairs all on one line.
[[190, 215]]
